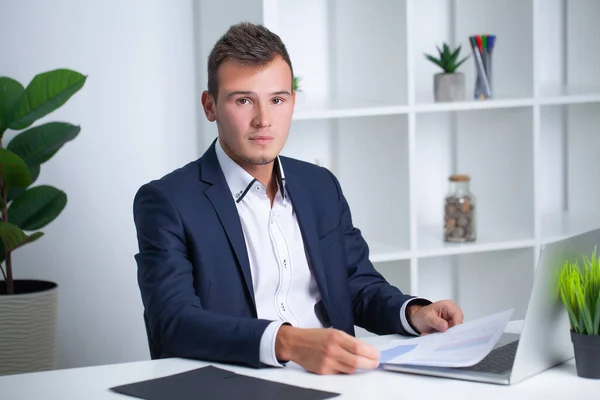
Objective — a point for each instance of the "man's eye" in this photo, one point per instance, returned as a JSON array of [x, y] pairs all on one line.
[[243, 101], [277, 100]]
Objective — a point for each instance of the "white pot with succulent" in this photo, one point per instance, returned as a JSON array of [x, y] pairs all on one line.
[[448, 85]]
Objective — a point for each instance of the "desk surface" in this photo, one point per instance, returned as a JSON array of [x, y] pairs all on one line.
[[92, 383]]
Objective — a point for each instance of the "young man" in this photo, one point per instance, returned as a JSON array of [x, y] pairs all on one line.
[[248, 257]]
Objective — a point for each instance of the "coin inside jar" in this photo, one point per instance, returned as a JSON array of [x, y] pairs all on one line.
[[459, 215]]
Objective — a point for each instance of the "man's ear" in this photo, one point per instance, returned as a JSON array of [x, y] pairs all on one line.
[[210, 106]]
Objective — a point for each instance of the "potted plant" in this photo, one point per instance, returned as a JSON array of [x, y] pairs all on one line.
[[28, 308], [300, 95], [579, 286], [448, 85], [296, 84]]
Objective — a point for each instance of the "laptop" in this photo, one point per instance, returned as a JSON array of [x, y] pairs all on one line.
[[544, 340]]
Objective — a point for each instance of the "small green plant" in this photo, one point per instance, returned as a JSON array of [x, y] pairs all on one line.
[[579, 286], [447, 59], [295, 84]]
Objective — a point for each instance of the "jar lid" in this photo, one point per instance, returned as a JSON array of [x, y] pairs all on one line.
[[459, 178]]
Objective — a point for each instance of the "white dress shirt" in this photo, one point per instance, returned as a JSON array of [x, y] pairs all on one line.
[[285, 289]]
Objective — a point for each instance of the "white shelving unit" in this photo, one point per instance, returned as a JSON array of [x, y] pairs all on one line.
[[367, 112]]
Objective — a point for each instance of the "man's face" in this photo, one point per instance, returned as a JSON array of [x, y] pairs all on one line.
[[253, 111]]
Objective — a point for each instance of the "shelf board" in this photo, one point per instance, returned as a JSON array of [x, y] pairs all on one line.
[[431, 243], [380, 252], [308, 109], [501, 102], [569, 95], [331, 108], [559, 226]]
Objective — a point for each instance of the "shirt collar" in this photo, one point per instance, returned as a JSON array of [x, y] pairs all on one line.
[[239, 180]]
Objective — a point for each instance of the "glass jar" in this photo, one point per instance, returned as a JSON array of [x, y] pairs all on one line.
[[459, 211]]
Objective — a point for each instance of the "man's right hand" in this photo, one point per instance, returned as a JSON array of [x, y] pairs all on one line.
[[324, 351]]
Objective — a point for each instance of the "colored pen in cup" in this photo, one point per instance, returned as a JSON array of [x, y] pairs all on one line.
[[487, 91]]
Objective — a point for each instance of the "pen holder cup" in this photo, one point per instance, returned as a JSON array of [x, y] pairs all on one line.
[[483, 81], [482, 47]]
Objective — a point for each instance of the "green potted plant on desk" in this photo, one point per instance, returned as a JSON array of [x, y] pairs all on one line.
[[28, 307], [448, 85], [579, 286]]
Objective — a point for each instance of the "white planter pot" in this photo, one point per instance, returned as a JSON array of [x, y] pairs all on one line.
[[301, 99], [28, 327], [449, 87]]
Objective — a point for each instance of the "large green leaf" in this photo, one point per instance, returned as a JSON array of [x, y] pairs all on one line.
[[10, 90], [15, 191], [37, 207], [13, 237], [14, 169], [36, 145], [45, 93]]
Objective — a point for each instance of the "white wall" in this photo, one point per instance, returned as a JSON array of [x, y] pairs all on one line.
[[138, 117]]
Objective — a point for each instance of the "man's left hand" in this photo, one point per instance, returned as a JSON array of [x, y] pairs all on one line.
[[435, 317]]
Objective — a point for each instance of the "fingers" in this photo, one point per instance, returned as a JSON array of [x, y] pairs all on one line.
[[355, 354], [358, 347], [456, 318], [452, 313], [333, 366], [357, 362], [435, 322]]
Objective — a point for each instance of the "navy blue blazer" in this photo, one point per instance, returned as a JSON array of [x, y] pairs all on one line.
[[194, 274]]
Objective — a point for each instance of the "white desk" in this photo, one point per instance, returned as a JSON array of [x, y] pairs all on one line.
[[92, 383]]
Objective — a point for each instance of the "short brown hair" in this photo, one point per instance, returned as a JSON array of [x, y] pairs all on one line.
[[248, 44]]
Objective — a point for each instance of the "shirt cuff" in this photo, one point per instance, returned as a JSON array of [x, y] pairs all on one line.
[[404, 320], [267, 345]]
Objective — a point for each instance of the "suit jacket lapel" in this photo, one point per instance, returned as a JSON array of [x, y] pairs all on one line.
[[220, 197], [306, 220]]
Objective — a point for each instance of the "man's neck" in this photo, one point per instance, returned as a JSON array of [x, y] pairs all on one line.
[[262, 173], [265, 174]]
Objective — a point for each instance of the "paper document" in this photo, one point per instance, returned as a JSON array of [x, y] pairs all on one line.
[[460, 346]]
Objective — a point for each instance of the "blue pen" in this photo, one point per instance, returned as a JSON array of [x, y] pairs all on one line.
[[491, 40]]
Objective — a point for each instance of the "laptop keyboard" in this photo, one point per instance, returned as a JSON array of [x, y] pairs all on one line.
[[499, 360]]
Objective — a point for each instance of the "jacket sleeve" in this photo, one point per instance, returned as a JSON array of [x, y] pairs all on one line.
[[179, 324], [376, 304]]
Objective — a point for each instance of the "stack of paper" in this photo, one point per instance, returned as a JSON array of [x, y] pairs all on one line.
[[460, 346]]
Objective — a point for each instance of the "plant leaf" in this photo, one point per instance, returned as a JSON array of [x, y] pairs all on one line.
[[37, 207], [455, 54], [597, 316], [435, 61], [37, 145], [10, 90], [584, 310], [45, 93], [13, 237], [15, 191], [569, 284], [14, 169], [446, 51], [570, 312]]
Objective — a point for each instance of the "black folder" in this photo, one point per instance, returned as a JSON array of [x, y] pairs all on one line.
[[210, 382]]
